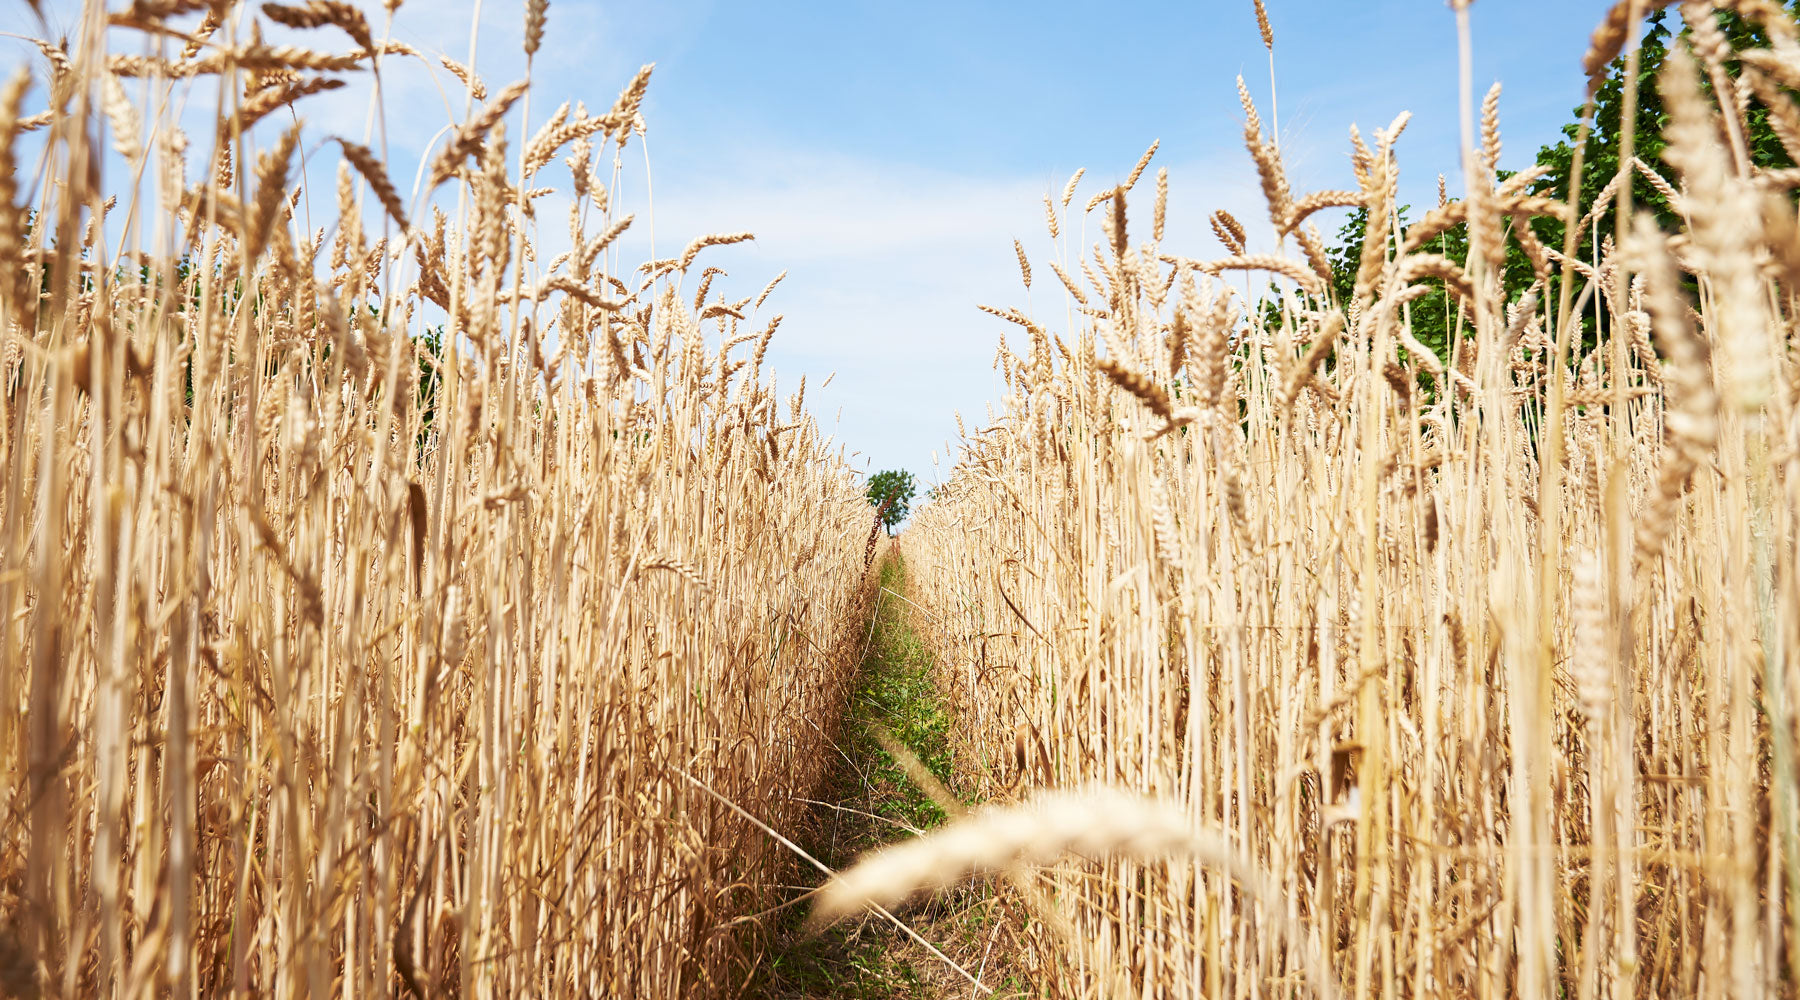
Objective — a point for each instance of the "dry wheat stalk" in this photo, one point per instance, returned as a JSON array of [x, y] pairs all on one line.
[[397, 600], [1383, 650]]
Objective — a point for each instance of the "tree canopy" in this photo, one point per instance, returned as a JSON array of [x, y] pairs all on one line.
[[1434, 317], [895, 488]]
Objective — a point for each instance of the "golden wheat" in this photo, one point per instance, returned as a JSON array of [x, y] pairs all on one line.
[[369, 614], [1484, 666]]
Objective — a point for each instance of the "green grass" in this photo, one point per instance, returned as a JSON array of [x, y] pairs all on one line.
[[894, 693], [869, 959]]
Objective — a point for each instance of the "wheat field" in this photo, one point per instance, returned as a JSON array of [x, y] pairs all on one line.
[[403, 595], [387, 611]]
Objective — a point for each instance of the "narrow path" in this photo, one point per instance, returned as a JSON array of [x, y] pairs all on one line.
[[869, 802]]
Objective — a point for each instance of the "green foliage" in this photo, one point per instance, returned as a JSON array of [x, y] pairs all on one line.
[[1434, 319], [896, 485], [1606, 145], [431, 373]]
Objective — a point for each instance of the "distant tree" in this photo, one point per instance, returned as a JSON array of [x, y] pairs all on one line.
[[894, 487]]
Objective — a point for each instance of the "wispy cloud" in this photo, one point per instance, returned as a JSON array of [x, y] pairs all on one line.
[[887, 262], [889, 176]]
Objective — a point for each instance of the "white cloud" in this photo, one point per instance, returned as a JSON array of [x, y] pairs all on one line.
[[887, 262]]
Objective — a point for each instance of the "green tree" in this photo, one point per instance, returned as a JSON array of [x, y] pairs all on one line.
[[895, 488], [1606, 143], [1434, 318]]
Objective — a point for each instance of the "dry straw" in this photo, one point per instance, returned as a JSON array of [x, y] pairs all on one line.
[[1479, 660], [453, 610], [369, 607]]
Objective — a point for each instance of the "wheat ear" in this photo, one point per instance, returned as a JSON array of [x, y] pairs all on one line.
[[1091, 821]]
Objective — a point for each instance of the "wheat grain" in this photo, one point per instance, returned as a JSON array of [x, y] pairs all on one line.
[[124, 119], [1720, 204], [536, 13], [1263, 262], [468, 138], [470, 81], [365, 162], [1069, 188], [1138, 169], [319, 13], [709, 240], [1139, 385], [1229, 231]]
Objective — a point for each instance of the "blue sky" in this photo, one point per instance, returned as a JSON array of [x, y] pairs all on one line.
[[887, 154]]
